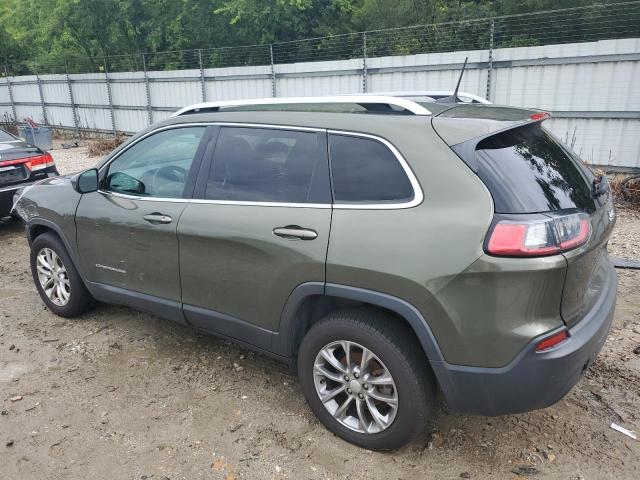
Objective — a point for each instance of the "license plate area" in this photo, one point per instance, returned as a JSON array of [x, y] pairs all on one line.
[[12, 173]]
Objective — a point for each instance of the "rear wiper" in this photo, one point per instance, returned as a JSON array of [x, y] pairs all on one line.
[[600, 186]]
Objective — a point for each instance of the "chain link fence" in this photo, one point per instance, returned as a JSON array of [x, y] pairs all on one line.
[[581, 24]]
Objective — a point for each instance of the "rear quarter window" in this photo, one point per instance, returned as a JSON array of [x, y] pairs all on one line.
[[527, 170], [364, 170]]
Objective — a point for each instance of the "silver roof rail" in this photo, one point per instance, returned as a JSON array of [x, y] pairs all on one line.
[[434, 94], [389, 100]]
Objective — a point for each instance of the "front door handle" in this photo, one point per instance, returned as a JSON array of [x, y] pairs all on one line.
[[156, 218], [294, 232]]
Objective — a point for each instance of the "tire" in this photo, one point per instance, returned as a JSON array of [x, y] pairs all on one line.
[[396, 352], [78, 299]]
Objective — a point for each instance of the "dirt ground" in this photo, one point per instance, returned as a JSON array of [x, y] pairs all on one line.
[[122, 394]]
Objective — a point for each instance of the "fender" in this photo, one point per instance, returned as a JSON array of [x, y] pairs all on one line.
[[283, 341], [70, 250]]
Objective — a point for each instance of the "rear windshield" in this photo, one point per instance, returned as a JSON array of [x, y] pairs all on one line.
[[527, 170]]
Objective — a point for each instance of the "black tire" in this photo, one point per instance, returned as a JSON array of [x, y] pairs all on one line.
[[80, 300], [398, 349]]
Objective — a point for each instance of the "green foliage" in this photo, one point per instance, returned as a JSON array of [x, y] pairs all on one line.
[[50, 36]]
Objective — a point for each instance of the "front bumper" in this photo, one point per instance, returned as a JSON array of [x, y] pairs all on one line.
[[532, 380]]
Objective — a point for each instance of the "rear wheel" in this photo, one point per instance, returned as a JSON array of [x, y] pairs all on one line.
[[57, 279], [364, 375]]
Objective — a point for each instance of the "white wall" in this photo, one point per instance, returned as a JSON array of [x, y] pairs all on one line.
[[593, 90]]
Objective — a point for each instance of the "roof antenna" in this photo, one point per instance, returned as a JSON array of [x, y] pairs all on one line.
[[454, 98]]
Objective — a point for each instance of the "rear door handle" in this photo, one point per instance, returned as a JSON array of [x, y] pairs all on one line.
[[293, 232], [158, 218]]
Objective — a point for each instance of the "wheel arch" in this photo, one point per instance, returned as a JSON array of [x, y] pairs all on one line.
[[38, 226], [311, 301]]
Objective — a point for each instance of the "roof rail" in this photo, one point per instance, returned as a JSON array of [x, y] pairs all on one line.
[[435, 94], [370, 102]]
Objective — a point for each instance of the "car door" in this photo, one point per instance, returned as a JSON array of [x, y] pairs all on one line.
[[257, 228], [126, 231]]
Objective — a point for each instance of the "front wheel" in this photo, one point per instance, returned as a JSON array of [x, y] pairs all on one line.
[[365, 377], [56, 278]]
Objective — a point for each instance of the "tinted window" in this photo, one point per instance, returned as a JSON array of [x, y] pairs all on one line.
[[527, 170], [266, 165], [365, 170], [157, 166]]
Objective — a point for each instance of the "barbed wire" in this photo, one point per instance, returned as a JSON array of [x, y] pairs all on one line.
[[571, 25]]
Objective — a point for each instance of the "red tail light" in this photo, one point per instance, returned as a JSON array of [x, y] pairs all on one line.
[[539, 236], [552, 341], [32, 163]]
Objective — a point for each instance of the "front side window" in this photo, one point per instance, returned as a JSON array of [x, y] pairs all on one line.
[[156, 166], [266, 165], [364, 170]]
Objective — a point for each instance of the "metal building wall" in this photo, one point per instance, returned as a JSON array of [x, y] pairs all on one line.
[[592, 89]]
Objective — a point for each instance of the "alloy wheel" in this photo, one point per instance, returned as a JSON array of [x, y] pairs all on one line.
[[355, 387], [53, 277]]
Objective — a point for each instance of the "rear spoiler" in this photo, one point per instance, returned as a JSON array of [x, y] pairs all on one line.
[[463, 133]]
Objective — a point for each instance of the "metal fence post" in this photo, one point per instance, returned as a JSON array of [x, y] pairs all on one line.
[[364, 62], [490, 64], [146, 89], [42, 106], [13, 103], [202, 80], [273, 72], [73, 103], [109, 97]]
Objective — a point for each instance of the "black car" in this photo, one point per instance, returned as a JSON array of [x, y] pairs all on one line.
[[21, 164]]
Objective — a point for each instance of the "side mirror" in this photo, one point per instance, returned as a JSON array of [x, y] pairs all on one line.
[[122, 182], [86, 182]]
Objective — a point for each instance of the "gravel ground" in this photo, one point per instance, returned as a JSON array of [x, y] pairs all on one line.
[[123, 394]]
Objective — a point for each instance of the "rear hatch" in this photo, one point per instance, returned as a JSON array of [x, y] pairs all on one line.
[[533, 177]]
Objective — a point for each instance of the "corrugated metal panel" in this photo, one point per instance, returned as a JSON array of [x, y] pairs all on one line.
[[234, 89], [524, 76], [4, 92], [22, 92], [175, 94], [131, 120], [23, 111], [93, 118], [600, 141], [62, 116], [129, 94], [90, 93], [55, 92]]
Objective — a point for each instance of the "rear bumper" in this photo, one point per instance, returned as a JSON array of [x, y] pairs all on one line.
[[532, 380]]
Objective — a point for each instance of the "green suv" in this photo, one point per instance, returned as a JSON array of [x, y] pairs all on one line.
[[389, 248]]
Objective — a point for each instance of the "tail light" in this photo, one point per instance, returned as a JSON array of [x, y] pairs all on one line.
[[538, 236], [37, 162]]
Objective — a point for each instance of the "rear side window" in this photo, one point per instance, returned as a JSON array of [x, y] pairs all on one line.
[[527, 170], [268, 165], [364, 170]]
